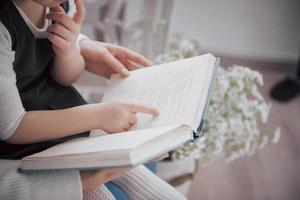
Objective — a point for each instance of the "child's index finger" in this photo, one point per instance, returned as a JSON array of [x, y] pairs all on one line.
[[80, 14], [144, 109]]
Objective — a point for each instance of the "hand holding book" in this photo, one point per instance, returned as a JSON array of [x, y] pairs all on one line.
[[92, 178]]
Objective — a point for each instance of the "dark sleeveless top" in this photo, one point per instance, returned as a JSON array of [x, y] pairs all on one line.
[[38, 91]]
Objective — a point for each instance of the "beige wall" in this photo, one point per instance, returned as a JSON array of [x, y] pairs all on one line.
[[260, 29], [257, 29]]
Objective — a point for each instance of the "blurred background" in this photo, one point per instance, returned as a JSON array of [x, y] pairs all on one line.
[[263, 35]]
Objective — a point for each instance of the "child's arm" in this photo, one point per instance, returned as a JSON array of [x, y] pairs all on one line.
[[114, 116], [38, 126], [68, 64], [67, 68]]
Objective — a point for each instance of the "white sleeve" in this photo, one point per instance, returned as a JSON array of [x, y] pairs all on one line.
[[11, 107], [79, 38]]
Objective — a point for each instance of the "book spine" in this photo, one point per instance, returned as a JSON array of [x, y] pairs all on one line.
[[199, 132]]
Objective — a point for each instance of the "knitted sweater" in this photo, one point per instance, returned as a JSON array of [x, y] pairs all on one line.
[[38, 185]]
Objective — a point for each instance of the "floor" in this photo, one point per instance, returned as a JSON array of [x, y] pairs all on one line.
[[274, 172]]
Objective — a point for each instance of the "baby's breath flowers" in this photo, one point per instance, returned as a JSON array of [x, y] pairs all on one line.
[[236, 108]]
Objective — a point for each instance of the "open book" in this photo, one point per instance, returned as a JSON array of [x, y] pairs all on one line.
[[180, 90]]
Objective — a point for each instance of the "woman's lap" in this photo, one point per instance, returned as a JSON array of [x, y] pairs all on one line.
[[118, 193]]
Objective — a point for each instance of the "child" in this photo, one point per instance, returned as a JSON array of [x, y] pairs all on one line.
[[39, 107]]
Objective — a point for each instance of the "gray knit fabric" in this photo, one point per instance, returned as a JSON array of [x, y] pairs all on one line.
[[99, 193], [141, 184], [138, 184], [65, 185]]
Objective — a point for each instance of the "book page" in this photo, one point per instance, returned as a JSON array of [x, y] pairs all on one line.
[[173, 88]]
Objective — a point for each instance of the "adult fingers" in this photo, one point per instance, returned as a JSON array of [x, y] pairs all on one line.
[[80, 14], [127, 63], [130, 65], [114, 63], [143, 109], [97, 68], [93, 178], [137, 58]]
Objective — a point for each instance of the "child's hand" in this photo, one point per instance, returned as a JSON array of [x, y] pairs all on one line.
[[118, 116], [64, 32]]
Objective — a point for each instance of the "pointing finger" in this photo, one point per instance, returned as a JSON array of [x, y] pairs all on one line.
[[143, 109]]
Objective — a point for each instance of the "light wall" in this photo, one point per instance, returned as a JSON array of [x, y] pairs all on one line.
[[266, 30], [257, 29]]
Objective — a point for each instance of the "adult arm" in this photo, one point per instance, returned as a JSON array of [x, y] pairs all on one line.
[[15, 184]]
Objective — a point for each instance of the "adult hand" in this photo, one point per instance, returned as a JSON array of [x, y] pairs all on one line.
[[92, 179], [106, 59]]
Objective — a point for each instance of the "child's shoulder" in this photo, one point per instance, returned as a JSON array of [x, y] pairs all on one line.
[[5, 38]]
